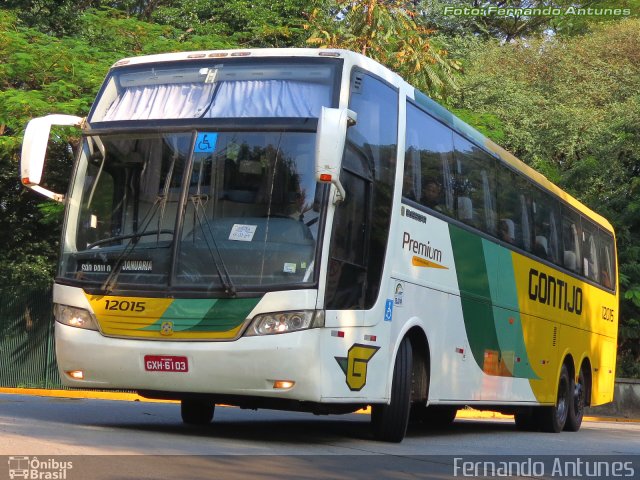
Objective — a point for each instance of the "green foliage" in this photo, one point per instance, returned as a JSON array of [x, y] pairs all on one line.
[[391, 33], [42, 74], [570, 107], [259, 23]]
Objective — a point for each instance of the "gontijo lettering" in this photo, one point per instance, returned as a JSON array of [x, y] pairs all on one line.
[[548, 290]]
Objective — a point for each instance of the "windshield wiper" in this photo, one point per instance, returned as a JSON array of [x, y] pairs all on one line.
[[111, 279], [130, 235], [218, 261]]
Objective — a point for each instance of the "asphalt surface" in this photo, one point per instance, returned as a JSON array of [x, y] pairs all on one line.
[[106, 439]]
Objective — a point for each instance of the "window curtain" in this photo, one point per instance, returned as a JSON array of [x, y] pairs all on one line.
[[236, 99]]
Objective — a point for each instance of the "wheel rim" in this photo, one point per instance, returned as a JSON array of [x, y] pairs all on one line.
[[561, 403], [578, 396]]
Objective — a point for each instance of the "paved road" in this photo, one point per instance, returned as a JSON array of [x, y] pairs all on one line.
[[250, 444]]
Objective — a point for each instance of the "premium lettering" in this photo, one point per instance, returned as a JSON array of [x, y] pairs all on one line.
[[423, 249]]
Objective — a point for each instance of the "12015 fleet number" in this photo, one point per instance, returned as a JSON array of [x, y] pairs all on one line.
[[125, 306]]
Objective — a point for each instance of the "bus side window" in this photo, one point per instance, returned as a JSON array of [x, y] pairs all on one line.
[[590, 266], [508, 206], [475, 186], [545, 228], [605, 256], [571, 240], [429, 147]]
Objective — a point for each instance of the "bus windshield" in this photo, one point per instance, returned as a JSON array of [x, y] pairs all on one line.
[[199, 211]]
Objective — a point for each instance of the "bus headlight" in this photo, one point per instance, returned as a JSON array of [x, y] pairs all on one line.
[[284, 322], [74, 317]]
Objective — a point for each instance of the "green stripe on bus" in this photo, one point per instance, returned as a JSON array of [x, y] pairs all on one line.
[[226, 314], [206, 315], [490, 305], [475, 294]]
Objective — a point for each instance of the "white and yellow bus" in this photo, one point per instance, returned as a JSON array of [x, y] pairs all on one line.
[[302, 229]]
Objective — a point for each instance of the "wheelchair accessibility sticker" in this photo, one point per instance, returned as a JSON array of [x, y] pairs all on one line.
[[388, 310], [206, 142]]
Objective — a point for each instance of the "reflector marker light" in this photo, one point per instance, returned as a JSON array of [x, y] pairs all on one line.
[[218, 55], [370, 338], [240, 54], [337, 333], [196, 55], [325, 177], [460, 350], [76, 374], [283, 384], [329, 54]]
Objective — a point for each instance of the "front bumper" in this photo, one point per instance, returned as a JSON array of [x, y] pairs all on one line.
[[247, 366]]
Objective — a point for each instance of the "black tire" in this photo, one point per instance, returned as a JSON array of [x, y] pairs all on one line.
[[553, 419], [576, 406], [196, 412], [390, 421], [526, 421], [434, 416]]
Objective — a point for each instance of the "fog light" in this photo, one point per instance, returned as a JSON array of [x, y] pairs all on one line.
[[283, 384], [76, 374]]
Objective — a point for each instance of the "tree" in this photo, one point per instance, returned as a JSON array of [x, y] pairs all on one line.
[[259, 23], [391, 33]]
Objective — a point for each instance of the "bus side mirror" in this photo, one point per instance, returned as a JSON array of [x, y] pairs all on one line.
[[332, 135], [34, 149]]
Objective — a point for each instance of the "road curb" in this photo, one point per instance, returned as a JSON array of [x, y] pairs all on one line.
[[465, 413]]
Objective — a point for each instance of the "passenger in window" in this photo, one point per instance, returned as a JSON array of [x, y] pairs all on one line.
[[432, 196]]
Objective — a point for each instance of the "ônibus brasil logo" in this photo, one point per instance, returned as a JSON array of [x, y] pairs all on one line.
[[36, 469]]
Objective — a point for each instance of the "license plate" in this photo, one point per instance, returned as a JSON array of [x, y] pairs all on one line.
[[165, 363]]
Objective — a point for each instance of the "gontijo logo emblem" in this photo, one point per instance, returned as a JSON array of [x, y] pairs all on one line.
[[427, 255], [354, 365]]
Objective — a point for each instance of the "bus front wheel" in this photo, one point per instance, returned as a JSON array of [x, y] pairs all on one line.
[[553, 419], [196, 412], [390, 421]]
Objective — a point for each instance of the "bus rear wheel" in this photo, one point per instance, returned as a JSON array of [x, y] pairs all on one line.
[[196, 412], [576, 406], [390, 421], [553, 419]]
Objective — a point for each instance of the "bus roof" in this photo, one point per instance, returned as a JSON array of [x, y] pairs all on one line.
[[432, 107]]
